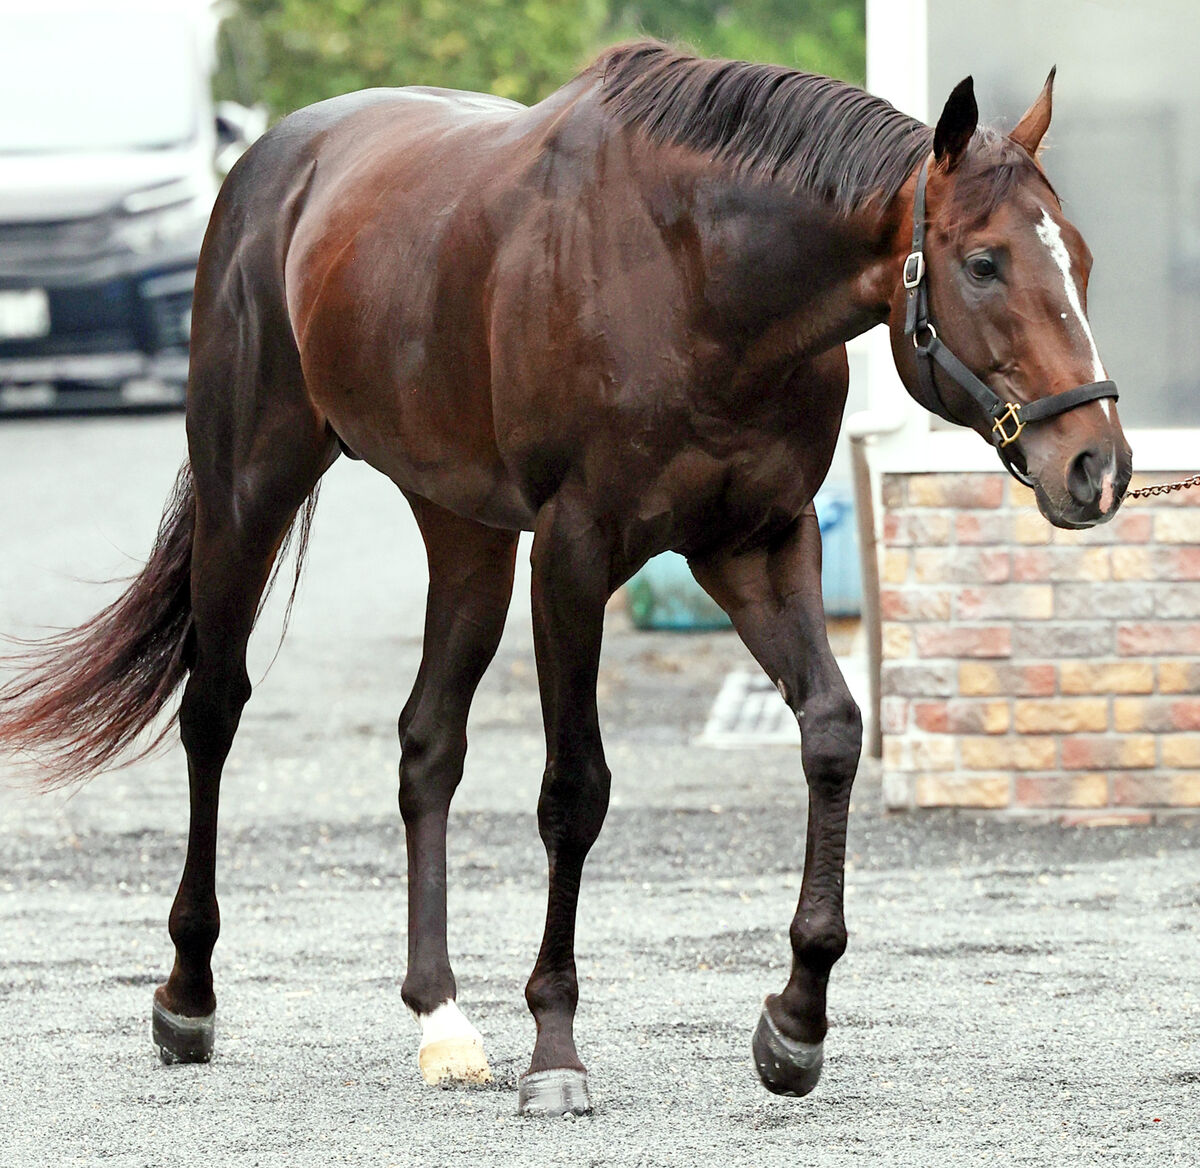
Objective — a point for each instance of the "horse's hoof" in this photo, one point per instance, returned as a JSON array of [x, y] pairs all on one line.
[[785, 1066], [180, 1039], [451, 1048], [554, 1093], [454, 1060]]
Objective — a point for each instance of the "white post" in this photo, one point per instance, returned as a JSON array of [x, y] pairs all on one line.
[[897, 70]]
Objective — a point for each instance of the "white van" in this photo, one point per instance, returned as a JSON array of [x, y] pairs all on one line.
[[107, 145]]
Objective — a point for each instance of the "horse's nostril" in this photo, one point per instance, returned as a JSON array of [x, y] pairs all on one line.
[[1086, 477]]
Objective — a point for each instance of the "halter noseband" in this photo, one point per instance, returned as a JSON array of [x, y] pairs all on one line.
[[1008, 418]]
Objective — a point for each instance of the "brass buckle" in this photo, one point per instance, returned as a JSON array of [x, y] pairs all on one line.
[[1011, 414]]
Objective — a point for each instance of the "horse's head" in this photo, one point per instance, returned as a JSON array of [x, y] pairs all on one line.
[[991, 314]]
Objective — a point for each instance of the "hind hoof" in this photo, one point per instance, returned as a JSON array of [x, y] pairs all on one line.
[[554, 1094], [180, 1039], [785, 1066], [454, 1060]]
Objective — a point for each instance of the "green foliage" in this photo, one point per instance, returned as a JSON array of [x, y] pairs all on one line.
[[293, 52], [822, 36], [288, 53]]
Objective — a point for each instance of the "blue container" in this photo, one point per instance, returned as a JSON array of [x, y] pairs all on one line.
[[665, 595], [841, 579]]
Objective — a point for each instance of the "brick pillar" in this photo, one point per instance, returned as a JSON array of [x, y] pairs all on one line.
[[1025, 667]]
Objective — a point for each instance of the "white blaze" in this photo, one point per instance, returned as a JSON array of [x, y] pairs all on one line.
[[1049, 233]]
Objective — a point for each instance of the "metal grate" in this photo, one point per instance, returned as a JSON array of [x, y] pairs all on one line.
[[748, 711]]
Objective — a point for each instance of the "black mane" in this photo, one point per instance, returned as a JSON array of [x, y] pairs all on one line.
[[822, 136]]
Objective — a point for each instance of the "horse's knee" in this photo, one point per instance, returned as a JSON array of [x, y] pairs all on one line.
[[831, 732], [430, 771], [573, 804]]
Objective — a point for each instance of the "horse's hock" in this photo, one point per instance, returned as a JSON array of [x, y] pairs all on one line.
[[1027, 668]]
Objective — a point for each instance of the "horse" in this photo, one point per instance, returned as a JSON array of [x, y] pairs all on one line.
[[617, 319]]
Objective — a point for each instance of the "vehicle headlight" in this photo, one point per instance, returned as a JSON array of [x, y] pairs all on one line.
[[161, 216]]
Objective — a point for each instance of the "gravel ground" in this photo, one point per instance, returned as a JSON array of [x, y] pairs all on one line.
[[1014, 993]]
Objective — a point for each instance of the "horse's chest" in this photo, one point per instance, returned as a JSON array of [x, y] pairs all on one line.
[[699, 501], [769, 487]]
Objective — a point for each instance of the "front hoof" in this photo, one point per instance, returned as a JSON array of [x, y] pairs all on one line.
[[554, 1093], [454, 1060], [785, 1066], [180, 1039]]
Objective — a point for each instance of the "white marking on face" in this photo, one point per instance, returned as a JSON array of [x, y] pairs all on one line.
[[1051, 235], [1106, 493], [447, 1021]]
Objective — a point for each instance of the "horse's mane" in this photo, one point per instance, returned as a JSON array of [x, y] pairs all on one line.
[[822, 136], [832, 140]]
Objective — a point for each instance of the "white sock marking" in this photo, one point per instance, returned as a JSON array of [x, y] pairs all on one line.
[[447, 1021], [1050, 234]]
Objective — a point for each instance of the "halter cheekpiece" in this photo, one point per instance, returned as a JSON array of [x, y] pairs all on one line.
[[1008, 418]]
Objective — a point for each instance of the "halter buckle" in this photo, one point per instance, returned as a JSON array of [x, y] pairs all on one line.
[[914, 269], [1012, 414]]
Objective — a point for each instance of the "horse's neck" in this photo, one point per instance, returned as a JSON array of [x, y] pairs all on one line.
[[788, 270]]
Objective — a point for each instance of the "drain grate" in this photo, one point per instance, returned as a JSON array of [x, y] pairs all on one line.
[[748, 711]]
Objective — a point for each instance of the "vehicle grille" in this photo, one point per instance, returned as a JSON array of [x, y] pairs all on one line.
[[170, 319], [35, 245]]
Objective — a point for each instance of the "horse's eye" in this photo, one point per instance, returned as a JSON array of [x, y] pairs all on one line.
[[982, 267]]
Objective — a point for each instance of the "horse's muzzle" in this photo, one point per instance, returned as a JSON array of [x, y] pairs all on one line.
[[1095, 484]]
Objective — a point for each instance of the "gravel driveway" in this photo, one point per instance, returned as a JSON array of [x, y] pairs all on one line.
[[1014, 993]]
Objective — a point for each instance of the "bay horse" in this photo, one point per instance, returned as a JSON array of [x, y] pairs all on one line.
[[616, 319]]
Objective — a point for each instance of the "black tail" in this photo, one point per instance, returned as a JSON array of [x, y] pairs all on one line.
[[83, 697]]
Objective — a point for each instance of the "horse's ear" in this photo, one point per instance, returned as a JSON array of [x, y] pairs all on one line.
[[1029, 130], [957, 124]]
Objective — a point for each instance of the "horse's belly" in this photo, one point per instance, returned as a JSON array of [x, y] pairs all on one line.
[[439, 450]]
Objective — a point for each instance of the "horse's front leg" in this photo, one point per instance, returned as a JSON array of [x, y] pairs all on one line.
[[571, 582], [470, 583], [773, 597]]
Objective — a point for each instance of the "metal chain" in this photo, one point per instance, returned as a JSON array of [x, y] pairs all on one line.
[[1163, 488]]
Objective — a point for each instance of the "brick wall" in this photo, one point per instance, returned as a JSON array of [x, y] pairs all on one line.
[[1029, 668]]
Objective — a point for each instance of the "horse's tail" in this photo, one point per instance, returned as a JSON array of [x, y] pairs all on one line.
[[83, 697]]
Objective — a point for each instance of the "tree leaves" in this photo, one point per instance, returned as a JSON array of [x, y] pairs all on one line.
[[289, 53]]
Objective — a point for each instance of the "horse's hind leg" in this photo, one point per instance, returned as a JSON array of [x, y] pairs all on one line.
[[233, 553], [257, 450], [470, 583]]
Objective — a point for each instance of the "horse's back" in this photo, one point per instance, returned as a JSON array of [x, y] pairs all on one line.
[[334, 147]]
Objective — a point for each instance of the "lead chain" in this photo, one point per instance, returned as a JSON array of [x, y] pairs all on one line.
[[1163, 488]]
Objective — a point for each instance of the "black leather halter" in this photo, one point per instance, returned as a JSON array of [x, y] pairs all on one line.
[[1008, 418]]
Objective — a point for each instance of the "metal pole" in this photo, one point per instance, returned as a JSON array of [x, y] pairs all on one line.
[[864, 510]]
